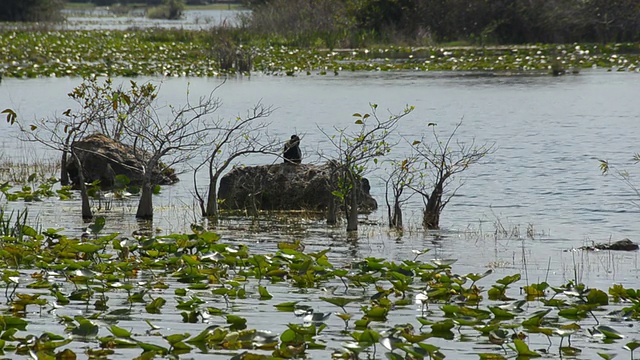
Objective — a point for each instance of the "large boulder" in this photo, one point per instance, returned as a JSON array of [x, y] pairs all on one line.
[[284, 187], [103, 158]]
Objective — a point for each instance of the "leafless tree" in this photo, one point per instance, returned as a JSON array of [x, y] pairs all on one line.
[[169, 143], [355, 150], [437, 163], [60, 134], [233, 139]]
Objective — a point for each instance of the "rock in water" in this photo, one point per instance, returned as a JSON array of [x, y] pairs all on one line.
[[620, 245], [284, 187], [103, 158]]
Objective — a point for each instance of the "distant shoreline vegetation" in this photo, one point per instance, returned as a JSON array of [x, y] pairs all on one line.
[[174, 52], [298, 37]]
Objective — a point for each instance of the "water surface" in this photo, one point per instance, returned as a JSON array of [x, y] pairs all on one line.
[[548, 133]]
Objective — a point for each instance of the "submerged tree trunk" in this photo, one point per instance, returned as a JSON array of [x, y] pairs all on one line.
[[64, 176], [87, 214], [395, 220], [145, 206], [352, 212], [431, 214], [211, 210], [332, 212]]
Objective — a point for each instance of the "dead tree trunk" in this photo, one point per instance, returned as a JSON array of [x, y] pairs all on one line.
[[332, 212], [145, 206], [211, 210], [64, 176], [351, 204], [87, 214], [395, 216], [332, 208], [433, 207]]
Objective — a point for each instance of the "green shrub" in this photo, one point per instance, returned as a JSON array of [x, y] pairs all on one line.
[[170, 10], [31, 10]]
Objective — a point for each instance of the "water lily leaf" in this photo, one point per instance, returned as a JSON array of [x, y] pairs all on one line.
[[66, 354], [362, 323], [413, 338], [183, 292], [597, 297], [280, 273], [476, 277], [501, 313], [97, 225], [535, 290], [148, 347], [86, 328], [491, 357], [237, 322], [87, 248], [176, 338], [205, 335], [264, 293], [196, 286], [523, 349], [190, 260], [539, 330], [286, 306], [154, 306], [432, 350], [393, 356], [442, 326], [632, 345], [288, 336], [339, 301], [11, 322], [368, 337], [508, 280], [152, 326], [377, 313], [249, 356], [119, 332], [29, 231], [572, 312], [606, 356], [609, 332], [444, 262], [536, 319], [450, 309]]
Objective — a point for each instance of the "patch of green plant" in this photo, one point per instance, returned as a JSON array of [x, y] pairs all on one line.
[[178, 52], [201, 279]]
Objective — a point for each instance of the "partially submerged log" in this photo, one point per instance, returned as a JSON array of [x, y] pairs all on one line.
[[284, 187], [620, 245], [103, 158]]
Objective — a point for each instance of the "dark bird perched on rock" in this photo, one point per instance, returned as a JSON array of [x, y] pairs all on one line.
[[292, 153]]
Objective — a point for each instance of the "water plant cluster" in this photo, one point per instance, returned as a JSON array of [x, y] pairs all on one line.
[[97, 289], [31, 54]]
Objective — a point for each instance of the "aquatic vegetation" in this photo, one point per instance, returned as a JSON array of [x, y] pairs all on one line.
[[412, 308], [191, 53]]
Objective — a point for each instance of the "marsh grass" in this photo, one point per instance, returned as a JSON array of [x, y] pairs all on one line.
[[25, 171], [12, 222]]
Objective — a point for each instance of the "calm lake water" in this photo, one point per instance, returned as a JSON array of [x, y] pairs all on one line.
[[549, 133], [102, 19]]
